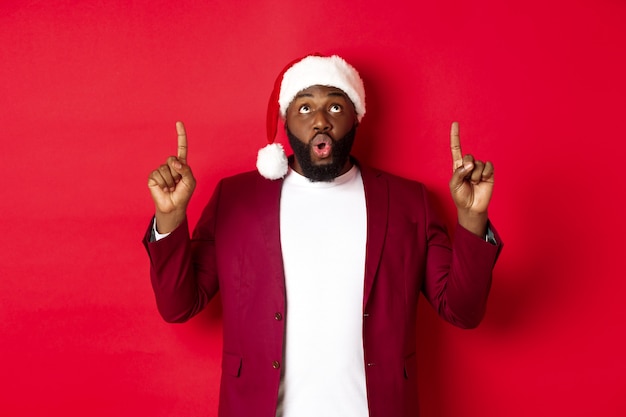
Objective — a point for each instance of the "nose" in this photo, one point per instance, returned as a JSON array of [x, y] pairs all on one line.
[[321, 122]]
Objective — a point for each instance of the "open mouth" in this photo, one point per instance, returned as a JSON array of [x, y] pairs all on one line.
[[322, 145]]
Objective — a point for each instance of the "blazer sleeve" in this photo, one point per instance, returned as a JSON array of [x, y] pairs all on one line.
[[183, 270], [458, 275]]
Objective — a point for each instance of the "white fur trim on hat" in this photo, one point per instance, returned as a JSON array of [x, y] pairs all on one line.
[[331, 71]]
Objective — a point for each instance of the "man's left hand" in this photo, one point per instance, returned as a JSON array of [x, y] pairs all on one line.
[[471, 186]]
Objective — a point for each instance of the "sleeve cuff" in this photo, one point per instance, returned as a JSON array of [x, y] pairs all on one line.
[[489, 237], [155, 236]]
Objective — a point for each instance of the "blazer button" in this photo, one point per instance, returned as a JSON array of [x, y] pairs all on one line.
[[278, 316], [275, 364]]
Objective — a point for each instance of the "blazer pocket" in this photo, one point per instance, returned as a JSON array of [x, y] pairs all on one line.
[[410, 366], [231, 364]]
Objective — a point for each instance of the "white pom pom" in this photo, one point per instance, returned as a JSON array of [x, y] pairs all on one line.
[[272, 161]]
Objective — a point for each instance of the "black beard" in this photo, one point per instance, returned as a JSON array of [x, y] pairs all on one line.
[[326, 172]]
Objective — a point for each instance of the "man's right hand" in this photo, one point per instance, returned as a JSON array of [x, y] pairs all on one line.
[[171, 186]]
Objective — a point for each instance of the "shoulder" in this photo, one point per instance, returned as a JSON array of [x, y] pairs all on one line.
[[248, 179], [402, 200], [373, 175], [247, 189], [242, 177]]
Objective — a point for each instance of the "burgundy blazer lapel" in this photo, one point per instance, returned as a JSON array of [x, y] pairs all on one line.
[[267, 197], [377, 201]]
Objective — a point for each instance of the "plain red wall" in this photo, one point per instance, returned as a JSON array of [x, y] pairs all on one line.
[[90, 91]]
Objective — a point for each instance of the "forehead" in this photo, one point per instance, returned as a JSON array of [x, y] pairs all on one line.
[[321, 91]]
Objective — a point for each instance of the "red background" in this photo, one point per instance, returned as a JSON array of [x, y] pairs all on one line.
[[89, 94]]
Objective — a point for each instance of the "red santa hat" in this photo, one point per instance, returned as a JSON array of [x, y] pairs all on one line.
[[330, 71]]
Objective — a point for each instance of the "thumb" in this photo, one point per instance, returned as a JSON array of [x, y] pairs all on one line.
[[460, 174], [179, 169], [185, 175]]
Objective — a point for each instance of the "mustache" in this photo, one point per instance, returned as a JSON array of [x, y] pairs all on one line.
[[319, 135]]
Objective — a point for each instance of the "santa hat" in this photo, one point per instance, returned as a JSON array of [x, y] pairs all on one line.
[[330, 71]]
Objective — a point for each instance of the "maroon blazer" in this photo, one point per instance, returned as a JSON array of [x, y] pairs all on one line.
[[235, 249]]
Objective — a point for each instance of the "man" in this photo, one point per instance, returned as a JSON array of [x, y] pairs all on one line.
[[320, 259]]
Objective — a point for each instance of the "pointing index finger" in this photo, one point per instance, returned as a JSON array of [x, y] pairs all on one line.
[[455, 146], [182, 142]]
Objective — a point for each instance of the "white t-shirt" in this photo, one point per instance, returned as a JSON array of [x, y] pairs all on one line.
[[323, 231]]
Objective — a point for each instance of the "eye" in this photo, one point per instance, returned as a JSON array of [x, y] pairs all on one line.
[[335, 108], [304, 109]]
